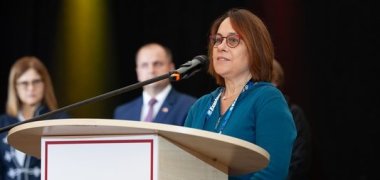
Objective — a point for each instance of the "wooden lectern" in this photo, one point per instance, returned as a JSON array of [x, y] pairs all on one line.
[[119, 149]]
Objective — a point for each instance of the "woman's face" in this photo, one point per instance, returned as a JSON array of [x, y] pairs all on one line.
[[30, 88], [230, 62]]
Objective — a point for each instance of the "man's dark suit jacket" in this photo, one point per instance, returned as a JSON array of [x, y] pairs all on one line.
[[173, 110]]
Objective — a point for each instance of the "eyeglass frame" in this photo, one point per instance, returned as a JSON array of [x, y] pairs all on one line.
[[26, 84], [213, 39]]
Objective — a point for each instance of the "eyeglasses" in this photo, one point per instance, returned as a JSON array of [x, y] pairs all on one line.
[[232, 40], [25, 84]]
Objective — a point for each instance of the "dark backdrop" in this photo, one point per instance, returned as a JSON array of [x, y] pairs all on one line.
[[328, 50]]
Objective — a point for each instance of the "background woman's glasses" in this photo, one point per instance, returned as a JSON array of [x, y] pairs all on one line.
[[26, 84]]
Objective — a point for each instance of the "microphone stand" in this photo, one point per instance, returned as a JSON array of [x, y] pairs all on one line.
[[172, 75]]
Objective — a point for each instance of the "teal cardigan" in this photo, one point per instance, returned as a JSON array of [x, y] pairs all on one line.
[[260, 116]]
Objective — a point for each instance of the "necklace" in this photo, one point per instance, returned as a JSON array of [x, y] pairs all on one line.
[[224, 97], [233, 94], [235, 91]]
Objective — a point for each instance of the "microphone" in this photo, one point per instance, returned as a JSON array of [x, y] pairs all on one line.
[[189, 68]]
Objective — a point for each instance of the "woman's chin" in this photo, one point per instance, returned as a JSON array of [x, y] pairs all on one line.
[[32, 103]]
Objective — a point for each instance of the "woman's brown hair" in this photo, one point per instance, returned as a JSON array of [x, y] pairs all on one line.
[[257, 39]]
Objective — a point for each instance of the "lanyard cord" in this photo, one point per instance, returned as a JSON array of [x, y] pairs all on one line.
[[222, 120], [227, 116]]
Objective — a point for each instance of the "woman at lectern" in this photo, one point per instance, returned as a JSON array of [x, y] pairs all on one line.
[[30, 93], [246, 105]]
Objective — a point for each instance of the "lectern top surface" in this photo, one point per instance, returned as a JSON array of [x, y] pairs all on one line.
[[239, 155]]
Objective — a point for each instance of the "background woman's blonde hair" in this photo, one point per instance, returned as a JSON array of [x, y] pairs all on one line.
[[20, 67]]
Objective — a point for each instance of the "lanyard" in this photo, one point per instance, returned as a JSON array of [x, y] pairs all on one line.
[[222, 120]]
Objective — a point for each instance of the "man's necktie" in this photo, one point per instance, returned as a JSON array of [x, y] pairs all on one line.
[[149, 116]]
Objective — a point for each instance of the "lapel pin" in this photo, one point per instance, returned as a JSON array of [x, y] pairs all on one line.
[[165, 110]]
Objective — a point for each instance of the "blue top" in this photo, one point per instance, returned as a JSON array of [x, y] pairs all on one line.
[[260, 115]]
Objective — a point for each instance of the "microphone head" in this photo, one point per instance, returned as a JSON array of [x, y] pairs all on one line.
[[202, 58], [190, 68]]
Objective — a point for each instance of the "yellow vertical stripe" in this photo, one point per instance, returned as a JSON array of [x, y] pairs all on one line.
[[82, 51]]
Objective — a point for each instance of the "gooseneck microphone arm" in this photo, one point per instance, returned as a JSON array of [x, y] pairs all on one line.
[[184, 71], [90, 100]]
